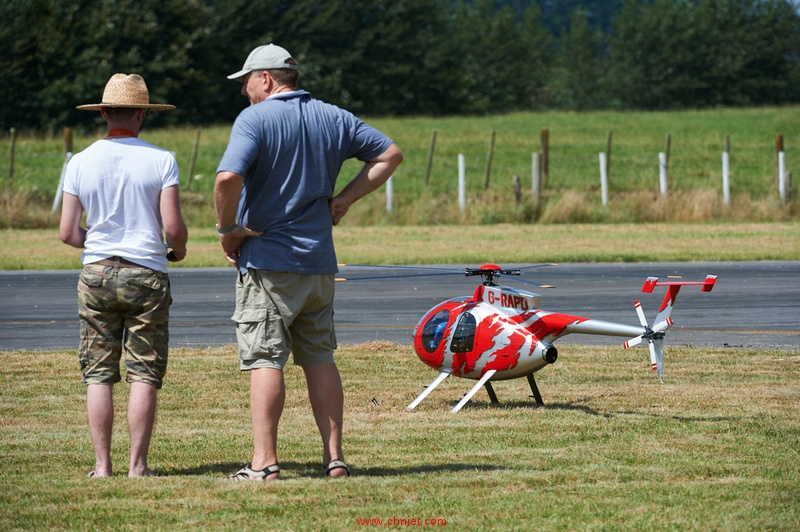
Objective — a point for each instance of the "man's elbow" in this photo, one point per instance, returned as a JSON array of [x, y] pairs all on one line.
[[394, 156], [70, 238], [176, 235]]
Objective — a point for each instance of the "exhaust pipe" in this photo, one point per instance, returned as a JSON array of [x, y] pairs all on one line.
[[549, 353]]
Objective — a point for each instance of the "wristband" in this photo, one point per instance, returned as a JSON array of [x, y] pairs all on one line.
[[226, 230]]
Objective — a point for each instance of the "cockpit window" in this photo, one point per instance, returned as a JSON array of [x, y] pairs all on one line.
[[464, 335], [433, 332]]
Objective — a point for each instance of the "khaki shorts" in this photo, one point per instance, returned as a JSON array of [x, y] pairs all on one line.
[[123, 308], [281, 312]]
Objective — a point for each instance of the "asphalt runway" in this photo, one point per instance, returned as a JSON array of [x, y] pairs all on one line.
[[754, 305]]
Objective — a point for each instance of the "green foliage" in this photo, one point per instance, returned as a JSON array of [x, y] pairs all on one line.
[[498, 65], [572, 194], [668, 53], [399, 57], [579, 74], [65, 51]]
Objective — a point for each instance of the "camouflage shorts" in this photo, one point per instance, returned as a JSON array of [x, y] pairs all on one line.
[[123, 308]]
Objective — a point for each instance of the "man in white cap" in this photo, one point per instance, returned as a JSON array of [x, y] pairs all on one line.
[[276, 209], [129, 191]]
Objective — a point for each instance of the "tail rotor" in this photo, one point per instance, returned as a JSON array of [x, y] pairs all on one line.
[[655, 334], [654, 337]]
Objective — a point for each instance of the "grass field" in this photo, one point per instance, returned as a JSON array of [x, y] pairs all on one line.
[[571, 194], [40, 249], [715, 448]]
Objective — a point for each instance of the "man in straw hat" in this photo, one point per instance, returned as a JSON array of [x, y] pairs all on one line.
[[129, 191], [285, 152]]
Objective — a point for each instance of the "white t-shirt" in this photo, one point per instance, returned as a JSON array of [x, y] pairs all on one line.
[[119, 183]]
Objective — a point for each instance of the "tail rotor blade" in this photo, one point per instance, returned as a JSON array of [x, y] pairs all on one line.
[[654, 363], [638, 306], [639, 312], [632, 342]]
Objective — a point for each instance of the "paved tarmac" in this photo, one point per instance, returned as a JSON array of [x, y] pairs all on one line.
[[753, 305]]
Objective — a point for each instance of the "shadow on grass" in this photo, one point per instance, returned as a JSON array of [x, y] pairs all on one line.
[[576, 406], [299, 469], [509, 405]]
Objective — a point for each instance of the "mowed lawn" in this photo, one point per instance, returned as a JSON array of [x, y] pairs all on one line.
[[717, 447]]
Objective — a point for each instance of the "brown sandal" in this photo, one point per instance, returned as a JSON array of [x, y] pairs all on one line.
[[336, 464], [247, 473]]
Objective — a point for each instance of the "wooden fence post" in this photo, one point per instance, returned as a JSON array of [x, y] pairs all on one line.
[[608, 154], [192, 161], [389, 195], [782, 176], [462, 183], [489, 161], [778, 149], [536, 175], [666, 156], [544, 135], [517, 188], [603, 178], [67, 140], [430, 157], [726, 178], [13, 132]]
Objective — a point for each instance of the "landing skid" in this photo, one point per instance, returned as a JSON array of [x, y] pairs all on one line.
[[484, 381], [535, 389]]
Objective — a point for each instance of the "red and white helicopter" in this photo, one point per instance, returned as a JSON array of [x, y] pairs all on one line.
[[500, 333]]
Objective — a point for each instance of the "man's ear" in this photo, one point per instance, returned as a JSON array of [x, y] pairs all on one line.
[[268, 80]]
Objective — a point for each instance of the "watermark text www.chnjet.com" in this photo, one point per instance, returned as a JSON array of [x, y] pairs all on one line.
[[402, 521]]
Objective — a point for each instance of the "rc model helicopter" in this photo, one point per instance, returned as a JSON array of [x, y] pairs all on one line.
[[501, 333]]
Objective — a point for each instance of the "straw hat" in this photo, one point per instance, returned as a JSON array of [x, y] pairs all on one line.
[[126, 90]]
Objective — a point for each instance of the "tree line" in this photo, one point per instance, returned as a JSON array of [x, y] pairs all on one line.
[[400, 57]]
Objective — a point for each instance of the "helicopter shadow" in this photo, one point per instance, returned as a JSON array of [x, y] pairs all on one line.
[[578, 407], [509, 405]]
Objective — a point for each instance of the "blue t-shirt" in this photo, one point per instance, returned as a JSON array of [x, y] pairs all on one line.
[[289, 149]]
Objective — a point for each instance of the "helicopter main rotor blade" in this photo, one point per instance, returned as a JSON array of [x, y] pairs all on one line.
[[403, 267], [428, 271], [400, 276], [425, 271], [525, 281]]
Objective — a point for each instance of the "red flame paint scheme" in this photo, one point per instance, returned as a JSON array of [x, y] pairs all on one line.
[[501, 333]]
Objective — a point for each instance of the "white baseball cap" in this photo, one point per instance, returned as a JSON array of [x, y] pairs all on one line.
[[264, 57]]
